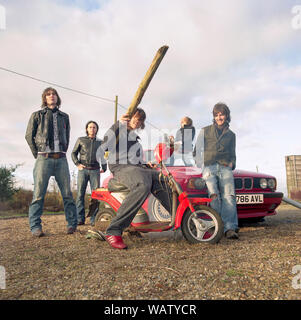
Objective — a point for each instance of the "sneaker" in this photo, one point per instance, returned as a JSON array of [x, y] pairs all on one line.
[[71, 230], [96, 234], [116, 242], [231, 234], [80, 223], [38, 233]]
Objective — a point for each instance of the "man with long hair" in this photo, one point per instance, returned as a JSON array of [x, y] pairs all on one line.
[[88, 168], [47, 135], [215, 153], [128, 168]]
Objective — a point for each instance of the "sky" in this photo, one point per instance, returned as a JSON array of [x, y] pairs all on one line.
[[245, 53]]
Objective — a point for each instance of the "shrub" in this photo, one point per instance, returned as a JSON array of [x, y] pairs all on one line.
[[7, 182]]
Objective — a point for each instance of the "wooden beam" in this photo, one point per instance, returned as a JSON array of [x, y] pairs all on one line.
[[146, 80]]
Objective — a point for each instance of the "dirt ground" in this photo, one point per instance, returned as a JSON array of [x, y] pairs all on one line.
[[59, 266]]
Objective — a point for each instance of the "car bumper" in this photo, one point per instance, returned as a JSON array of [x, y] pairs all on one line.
[[271, 201]]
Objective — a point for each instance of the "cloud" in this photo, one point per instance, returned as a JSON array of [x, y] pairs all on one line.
[[240, 52]]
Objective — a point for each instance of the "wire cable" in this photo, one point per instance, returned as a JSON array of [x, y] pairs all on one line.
[[70, 89], [57, 85]]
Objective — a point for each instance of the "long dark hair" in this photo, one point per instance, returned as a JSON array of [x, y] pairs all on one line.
[[142, 117], [223, 108], [44, 103], [91, 121]]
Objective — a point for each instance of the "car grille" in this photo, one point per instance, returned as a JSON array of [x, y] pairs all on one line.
[[243, 183], [248, 183]]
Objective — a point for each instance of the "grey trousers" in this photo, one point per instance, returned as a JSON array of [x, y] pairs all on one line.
[[141, 182]]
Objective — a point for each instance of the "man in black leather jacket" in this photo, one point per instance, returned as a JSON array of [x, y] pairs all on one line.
[[88, 168], [47, 135]]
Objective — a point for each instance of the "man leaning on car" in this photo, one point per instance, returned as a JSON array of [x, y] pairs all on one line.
[[215, 153]]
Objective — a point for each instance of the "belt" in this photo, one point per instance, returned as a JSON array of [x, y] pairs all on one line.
[[92, 168], [53, 155]]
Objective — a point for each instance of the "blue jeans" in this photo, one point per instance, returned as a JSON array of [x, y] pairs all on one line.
[[45, 168], [220, 182], [83, 177]]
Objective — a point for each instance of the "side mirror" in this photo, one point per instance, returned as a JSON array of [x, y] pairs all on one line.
[[162, 152]]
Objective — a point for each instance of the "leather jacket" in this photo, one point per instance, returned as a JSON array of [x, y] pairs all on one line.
[[37, 134], [87, 147]]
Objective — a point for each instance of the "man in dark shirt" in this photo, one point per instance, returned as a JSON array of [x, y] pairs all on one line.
[[47, 135], [215, 154], [128, 168], [88, 168], [183, 142]]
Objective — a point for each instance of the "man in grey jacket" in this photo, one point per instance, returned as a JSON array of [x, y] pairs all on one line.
[[215, 154], [47, 135], [129, 169]]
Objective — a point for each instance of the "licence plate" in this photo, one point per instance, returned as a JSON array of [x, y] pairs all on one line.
[[249, 198]]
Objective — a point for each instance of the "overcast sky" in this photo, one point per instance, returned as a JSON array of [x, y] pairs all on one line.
[[244, 53]]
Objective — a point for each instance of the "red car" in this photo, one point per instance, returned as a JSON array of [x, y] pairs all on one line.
[[256, 194]]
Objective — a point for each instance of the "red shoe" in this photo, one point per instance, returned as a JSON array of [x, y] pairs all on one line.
[[116, 242]]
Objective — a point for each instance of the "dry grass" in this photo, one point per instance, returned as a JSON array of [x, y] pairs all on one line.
[[61, 266]]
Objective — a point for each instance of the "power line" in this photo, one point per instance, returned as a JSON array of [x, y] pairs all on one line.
[[145, 120], [57, 85], [70, 89]]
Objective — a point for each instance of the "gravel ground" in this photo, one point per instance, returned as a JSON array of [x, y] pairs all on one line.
[[60, 266]]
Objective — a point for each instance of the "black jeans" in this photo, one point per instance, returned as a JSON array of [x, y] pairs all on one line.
[[141, 182]]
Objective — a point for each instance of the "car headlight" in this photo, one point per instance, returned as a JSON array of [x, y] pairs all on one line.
[[196, 183], [272, 184], [263, 183]]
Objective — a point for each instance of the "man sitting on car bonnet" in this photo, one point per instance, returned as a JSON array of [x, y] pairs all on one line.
[[215, 153]]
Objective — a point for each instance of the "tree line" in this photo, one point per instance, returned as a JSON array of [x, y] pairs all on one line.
[[13, 198]]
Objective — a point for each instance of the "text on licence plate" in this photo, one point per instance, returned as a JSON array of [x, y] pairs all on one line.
[[249, 198]]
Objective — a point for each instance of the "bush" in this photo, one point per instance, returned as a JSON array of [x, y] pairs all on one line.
[[22, 198], [7, 182]]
